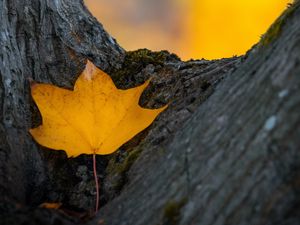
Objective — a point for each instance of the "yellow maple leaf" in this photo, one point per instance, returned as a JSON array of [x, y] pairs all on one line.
[[94, 118]]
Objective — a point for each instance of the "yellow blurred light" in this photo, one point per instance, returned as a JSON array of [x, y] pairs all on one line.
[[226, 28], [190, 28]]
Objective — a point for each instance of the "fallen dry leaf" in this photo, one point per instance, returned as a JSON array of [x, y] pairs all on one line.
[[49, 205]]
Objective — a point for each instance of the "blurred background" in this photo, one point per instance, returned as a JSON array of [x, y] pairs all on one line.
[[190, 28]]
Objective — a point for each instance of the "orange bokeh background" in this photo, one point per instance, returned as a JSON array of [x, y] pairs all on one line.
[[190, 28]]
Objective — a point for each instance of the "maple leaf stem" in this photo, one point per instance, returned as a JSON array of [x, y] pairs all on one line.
[[96, 181]]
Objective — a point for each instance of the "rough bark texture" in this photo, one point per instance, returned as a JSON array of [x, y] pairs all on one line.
[[45, 41], [226, 151]]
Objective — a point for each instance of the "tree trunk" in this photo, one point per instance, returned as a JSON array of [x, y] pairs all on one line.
[[46, 41], [226, 151]]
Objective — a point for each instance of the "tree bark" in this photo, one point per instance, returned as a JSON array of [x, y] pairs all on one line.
[[45, 41], [226, 151]]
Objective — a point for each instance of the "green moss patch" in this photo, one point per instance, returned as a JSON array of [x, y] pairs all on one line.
[[136, 61], [275, 30], [119, 169], [172, 211]]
